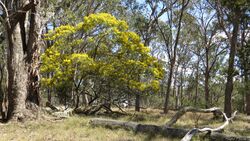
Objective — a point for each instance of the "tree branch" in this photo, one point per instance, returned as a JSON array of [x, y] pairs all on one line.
[[18, 14], [182, 111], [194, 131], [6, 17]]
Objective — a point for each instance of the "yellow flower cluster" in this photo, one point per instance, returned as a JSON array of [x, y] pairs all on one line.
[[106, 19], [111, 51]]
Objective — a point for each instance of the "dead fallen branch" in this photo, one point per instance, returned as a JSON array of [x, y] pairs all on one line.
[[164, 130], [182, 111], [214, 136], [194, 131], [91, 110], [137, 127]]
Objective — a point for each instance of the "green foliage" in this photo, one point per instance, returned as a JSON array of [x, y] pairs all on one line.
[[103, 47], [235, 4]]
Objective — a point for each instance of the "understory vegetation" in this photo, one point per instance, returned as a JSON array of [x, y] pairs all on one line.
[[78, 127], [125, 70]]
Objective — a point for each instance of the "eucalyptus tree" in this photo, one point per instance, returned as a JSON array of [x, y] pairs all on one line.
[[143, 18], [244, 60], [3, 106], [22, 37], [211, 43], [229, 15], [171, 40]]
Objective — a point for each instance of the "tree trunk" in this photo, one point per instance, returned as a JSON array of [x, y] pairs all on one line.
[[173, 58], [77, 101], [175, 89], [33, 52], [1, 102], [165, 110], [85, 99], [3, 107], [247, 94], [179, 96], [207, 95], [22, 58], [230, 71], [129, 100], [137, 102], [207, 76], [181, 85], [49, 95], [17, 74], [197, 83]]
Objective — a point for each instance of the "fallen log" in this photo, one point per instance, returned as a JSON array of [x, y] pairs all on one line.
[[137, 127], [194, 131], [182, 111], [160, 130], [214, 136], [114, 123]]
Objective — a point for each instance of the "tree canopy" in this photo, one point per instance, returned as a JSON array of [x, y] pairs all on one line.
[[100, 46]]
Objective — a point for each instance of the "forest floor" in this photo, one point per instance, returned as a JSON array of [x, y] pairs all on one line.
[[77, 128]]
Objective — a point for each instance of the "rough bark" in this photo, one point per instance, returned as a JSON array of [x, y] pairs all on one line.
[[17, 74], [33, 52], [232, 36], [22, 57], [3, 105], [230, 71], [3, 101]]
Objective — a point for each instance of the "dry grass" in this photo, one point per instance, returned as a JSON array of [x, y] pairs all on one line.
[[77, 128], [72, 129]]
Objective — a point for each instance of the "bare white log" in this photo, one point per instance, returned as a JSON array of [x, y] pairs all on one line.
[[194, 131]]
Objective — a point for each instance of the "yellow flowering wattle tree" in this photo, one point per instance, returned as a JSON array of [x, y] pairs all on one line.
[[100, 53]]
